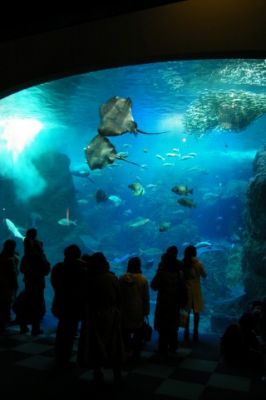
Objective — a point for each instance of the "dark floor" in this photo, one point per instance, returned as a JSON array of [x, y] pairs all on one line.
[[195, 372]]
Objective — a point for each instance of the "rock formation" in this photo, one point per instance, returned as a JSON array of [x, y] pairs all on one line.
[[254, 249]]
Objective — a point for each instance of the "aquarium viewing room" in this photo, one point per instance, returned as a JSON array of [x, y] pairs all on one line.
[[127, 132]]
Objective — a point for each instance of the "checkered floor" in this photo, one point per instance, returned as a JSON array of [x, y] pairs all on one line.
[[27, 367]]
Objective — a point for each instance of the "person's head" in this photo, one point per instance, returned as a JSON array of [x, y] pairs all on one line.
[[72, 252], [9, 247], [190, 252], [31, 233], [134, 265], [167, 263], [172, 251], [99, 262]]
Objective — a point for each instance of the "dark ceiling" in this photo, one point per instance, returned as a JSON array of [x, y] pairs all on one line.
[[20, 22]]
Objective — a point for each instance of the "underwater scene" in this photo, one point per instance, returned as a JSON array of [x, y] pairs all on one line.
[[131, 160]]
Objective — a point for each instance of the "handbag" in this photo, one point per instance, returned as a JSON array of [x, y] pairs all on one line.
[[146, 330]]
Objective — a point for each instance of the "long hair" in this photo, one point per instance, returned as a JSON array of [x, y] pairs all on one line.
[[134, 265], [189, 253], [9, 247]]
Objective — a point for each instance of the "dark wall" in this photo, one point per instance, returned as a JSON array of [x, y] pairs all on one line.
[[185, 30]]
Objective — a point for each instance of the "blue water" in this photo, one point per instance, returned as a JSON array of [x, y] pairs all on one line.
[[67, 111]]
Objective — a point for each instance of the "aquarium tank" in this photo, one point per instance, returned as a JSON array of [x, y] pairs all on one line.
[[131, 160]]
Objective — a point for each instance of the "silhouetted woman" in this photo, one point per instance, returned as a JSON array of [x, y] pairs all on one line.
[[35, 266], [193, 272], [67, 279], [8, 280], [101, 343], [135, 305], [168, 283]]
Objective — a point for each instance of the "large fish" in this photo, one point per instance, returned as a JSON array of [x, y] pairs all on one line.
[[100, 152], [139, 222], [116, 118], [137, 189], [12, 227]]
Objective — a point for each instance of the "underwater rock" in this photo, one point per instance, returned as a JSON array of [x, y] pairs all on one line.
[[254, 249], [58, 197], [252, 256]]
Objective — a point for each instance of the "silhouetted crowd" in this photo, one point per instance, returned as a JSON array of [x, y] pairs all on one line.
[[109, 314]]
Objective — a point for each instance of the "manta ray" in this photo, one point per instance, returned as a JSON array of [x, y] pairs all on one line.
[[116, 118], [100, 152]]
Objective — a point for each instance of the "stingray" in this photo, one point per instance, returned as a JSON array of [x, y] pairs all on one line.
[[100, 152], [116, 118]]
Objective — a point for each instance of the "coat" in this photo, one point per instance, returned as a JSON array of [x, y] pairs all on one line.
[[67, 280], [101, 343], [193, 273], [169, 299], [135, 302]]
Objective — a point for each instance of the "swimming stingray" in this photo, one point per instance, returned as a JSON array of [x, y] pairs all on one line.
[[116, 118], [100, 152]]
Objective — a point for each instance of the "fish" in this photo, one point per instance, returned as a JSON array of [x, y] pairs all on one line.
[[116, 118], [100, 196], [137, 189], [115, 199], [160, 157], [123, 259], [203, 244], [150, 252], [211, 249], [210, 196], [14, 229], [82, 201], [100, 153], [127, 212], [139, 222], [81, 173], [182, 190], [164, 226], [66, 221], [172, 155], [186, 157], [186, 202]]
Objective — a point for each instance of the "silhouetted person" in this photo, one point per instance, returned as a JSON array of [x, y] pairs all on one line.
[[193, 272], [35, 266], [240, 346], [8, 280], [168, 281], [135, 305], [101, 343], [67, 279]]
